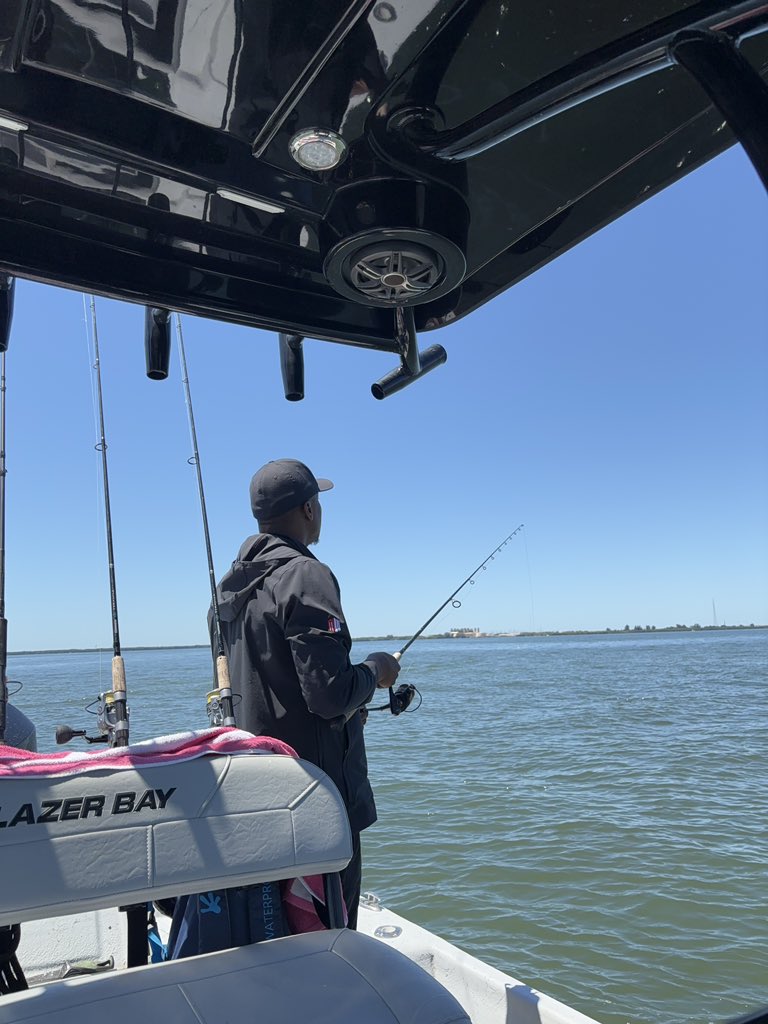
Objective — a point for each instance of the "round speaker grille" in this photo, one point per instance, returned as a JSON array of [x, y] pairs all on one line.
[[396, 276], [394, 267]]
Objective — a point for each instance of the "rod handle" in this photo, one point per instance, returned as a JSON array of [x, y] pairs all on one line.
[[397, 656], [121, 708], [222, 672], [225, 689], [118, 677]]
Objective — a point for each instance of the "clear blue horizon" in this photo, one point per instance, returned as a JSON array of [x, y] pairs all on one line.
[[613, 403]]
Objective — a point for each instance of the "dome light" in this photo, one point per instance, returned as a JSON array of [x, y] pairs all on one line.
[[317, 149]]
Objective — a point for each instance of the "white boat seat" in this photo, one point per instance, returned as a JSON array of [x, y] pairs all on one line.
[[107, 838], [330, 977], [110, 837]]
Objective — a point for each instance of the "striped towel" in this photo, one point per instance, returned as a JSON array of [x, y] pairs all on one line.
[[181, 746]]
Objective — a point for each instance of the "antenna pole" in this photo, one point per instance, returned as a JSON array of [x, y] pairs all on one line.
[[118, 666], [221, 666]]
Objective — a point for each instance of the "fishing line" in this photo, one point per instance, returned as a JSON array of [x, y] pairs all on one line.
[[220, 704], [402, 697], [115, 703]]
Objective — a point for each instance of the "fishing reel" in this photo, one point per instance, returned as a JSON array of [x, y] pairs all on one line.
[[401, 698], [106, 721], [106, 714], [214, 709]]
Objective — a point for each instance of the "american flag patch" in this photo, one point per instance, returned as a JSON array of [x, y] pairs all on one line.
[[334, 625]]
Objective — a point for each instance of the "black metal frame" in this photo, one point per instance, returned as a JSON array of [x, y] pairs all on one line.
[[641, 54]]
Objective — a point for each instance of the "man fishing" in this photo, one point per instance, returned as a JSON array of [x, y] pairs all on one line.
[[288, 644]]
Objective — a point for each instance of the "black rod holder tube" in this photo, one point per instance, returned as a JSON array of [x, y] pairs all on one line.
[[734, 86], [400, 378], [292, 366], [7, 290], [334, 900], [405, 336], [157, 342]]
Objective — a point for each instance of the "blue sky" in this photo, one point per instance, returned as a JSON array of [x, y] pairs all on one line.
[[614, 403]]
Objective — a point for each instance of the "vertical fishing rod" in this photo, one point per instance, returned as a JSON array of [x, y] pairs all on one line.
[[223, 695], [3, 620], [11, 974], [120, 705], [7, 285]]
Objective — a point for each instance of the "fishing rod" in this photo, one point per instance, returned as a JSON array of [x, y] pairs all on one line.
[[7, 287], [219, 703], [11, 974], [457, 604], [113, 711], [402, 697]]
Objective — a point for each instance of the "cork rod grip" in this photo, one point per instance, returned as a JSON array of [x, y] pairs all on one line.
[[118, 676], [222, 672]]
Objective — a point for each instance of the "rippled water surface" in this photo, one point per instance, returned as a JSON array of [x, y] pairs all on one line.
[[588, 814]]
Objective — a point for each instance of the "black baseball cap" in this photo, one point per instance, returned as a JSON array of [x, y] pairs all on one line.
[[281, 486]]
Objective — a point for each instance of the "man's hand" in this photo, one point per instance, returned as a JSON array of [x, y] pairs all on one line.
[[384, 667]]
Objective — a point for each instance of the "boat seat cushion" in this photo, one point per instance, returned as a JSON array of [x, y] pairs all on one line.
[[329, 977], [104, 838]]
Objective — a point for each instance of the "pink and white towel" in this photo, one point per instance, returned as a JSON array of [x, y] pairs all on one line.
[[182, 746]]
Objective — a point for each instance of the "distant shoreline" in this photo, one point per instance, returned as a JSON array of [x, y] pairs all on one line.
[[633, 631]]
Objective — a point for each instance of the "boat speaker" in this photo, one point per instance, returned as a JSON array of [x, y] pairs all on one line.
[[395, 267], [390, 242]]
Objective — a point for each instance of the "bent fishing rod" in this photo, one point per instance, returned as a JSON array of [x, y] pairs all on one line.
[[402, 697], [220, 705]]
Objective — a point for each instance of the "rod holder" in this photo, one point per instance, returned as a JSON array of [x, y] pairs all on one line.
[[292, 366], [735, 87], [400, 378], [7, 289], [157, 341], [405, 338]]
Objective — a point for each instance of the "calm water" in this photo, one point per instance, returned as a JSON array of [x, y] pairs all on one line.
[[588, 814]]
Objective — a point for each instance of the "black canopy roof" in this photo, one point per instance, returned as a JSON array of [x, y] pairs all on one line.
[[146, 145]]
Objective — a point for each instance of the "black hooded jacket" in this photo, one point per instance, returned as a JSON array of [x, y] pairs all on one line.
[[288, 650]]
